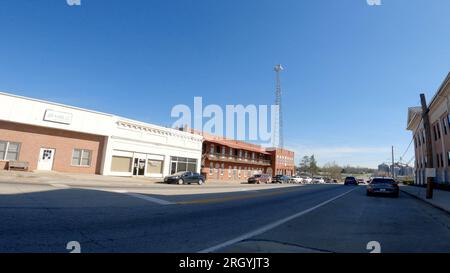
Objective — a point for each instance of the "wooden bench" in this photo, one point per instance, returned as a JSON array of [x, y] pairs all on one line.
[[18, 165]]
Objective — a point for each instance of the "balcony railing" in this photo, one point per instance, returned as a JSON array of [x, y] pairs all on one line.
[[237, 159]]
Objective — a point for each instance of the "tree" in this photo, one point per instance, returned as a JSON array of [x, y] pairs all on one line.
[[313, 168], [304, 164], [332, 170]]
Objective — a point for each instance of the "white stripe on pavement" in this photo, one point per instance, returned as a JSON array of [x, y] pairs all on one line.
[[270, 226], [147, 198]]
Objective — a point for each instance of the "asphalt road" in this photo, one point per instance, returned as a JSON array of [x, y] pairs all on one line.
[[313, 218]]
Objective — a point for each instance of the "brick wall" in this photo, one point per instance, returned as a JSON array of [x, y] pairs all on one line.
[[32, 138]]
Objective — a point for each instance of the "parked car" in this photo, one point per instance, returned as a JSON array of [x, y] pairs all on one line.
[[279, 178], [260, 178], [383, 186], [296, 179], [350, 180], [185, 178], [318, 180], [307, 180], [361, 181]]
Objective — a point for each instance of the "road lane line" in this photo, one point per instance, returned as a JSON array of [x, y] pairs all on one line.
[[271, 226], [147, 198]]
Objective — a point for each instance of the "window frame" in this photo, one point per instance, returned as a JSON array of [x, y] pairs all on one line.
[[82, 151], [6, 151]]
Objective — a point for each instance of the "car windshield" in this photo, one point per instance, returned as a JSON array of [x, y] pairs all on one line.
[[179, 173], [257, 175]]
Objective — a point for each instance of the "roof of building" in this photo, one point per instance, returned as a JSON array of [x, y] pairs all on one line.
[[416, 112]]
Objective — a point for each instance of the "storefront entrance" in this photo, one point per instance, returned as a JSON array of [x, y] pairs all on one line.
[[139, 167]]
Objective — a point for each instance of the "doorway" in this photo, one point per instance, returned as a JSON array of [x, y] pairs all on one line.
[[139, 167], [46, 157]]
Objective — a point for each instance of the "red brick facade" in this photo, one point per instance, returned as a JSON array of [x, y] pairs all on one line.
[[33, 138], [225, 159]]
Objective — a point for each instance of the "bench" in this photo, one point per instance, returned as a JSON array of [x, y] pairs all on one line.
[[18, 165]]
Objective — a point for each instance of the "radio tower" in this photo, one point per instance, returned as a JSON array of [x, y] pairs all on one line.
[[278, 130]]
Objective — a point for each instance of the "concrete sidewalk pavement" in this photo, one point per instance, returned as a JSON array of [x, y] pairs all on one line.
[[441, 198]]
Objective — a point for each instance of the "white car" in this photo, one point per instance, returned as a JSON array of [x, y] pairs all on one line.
[[296, 179], [318, 180], [307, 180]]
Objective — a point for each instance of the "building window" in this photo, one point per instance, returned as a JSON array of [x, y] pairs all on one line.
[[211, 167], [448, 158], [155, 166], [435, 133], [229, 171], [438, 127], [222, 169], [183, 164], [9, 150], [231, 151], [444, 124], [81, 157], [223, 150], [121, 164], [212, 149], [442, 160]]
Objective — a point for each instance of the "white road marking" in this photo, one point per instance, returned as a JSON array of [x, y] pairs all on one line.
[[62, 186], [147, 198], [270, 226]]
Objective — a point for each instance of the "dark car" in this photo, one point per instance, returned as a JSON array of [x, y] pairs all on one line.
[[350, 180], [383, 186], [279, 178], [185, 178], [259, 178]]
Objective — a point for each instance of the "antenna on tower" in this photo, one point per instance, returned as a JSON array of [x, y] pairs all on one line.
[[278, 130]]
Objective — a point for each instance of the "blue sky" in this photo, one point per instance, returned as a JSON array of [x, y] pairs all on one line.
[[351, 70]]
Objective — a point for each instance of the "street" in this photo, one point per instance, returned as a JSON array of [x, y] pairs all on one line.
[[250, 218]]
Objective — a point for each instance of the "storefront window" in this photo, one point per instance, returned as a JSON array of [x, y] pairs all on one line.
[[121, 164], [182, 164], [155, 166]]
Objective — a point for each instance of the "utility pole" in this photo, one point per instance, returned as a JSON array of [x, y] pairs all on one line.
[[429, 149], [393, 167]]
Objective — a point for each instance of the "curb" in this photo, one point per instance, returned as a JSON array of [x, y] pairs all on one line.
[[425, 201]]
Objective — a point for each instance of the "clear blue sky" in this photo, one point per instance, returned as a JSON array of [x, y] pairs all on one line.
[[351, 70]]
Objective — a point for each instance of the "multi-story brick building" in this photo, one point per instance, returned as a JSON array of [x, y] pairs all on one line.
[[439, 115], [227, 159]]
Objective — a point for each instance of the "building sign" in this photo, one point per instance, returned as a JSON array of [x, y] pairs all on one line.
[[58, 117]]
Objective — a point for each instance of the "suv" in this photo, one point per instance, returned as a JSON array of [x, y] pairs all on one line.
[[350, 180], [279, 178], [259, 178]]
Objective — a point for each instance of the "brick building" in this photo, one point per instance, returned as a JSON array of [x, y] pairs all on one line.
[[227, 159], [56, 137], [440, 135]]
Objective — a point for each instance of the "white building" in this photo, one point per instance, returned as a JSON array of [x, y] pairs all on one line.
[[55, 137]]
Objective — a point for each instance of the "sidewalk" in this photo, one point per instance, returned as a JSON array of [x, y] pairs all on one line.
[[39, 177], [441, 199]]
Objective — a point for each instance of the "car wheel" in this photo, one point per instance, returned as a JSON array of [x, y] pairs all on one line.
[[368, 194], [180, 182], [200, 181]]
